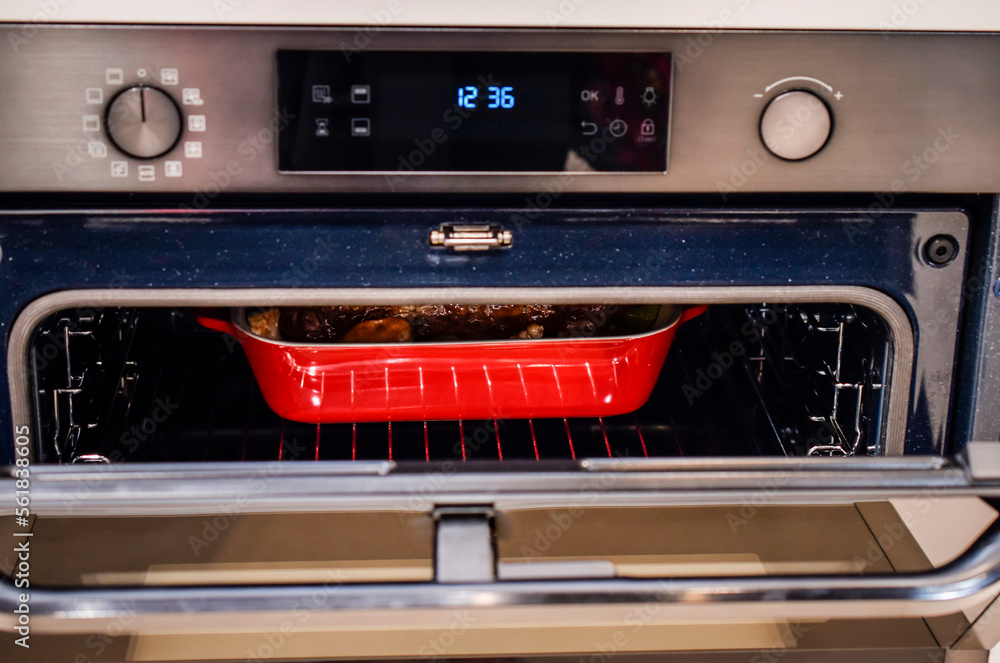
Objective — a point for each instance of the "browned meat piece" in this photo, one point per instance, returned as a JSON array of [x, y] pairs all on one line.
[[590, 320], [265, 323], [533, 331], [326, 323], [478, 322], [384, 330], [438, 321]]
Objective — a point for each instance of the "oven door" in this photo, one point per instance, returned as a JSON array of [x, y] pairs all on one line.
[[686, 559], [171, 515]]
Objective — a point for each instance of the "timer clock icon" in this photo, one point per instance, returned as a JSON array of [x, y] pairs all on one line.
[[617, 127]]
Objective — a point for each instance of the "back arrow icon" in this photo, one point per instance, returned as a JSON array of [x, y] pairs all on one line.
[[589, 128]]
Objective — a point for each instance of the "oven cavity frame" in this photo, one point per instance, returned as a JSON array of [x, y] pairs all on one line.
[[898, 378]]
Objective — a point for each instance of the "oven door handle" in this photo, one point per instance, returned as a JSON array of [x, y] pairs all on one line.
[[968, 581]]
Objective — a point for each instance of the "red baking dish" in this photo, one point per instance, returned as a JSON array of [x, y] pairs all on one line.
[[506, 379]]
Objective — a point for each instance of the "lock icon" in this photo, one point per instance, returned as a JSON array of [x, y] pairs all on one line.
[[647, 128]]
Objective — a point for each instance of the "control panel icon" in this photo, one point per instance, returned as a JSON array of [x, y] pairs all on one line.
[[361, 94], [97, 149], [361, 126], [321, 94], [169, 76], [191, 96]]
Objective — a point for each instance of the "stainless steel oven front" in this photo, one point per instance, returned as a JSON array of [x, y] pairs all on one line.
[[829, 197]]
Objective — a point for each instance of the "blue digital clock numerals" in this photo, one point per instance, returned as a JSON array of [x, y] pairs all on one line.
[[497, 96], [467, 96], [500, 97]]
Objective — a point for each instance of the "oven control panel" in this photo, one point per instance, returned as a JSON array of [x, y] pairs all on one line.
[[132, 122], [206, 111], [452, 111]]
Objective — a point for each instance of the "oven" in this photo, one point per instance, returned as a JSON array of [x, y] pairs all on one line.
[[811, 216]]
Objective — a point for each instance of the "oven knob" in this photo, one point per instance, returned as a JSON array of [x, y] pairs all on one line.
[[143, 122], [795, 125]]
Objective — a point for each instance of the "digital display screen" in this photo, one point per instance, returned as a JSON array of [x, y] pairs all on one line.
[[456, 111]]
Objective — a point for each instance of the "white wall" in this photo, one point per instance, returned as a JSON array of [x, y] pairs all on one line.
[[783, 14]]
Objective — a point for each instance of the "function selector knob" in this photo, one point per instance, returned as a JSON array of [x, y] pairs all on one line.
[[143, 122], [795, 125]]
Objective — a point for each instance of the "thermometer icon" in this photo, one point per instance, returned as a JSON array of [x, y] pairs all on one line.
[[619, 96]]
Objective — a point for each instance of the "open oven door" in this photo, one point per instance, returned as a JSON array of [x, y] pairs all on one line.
[[693, 559]]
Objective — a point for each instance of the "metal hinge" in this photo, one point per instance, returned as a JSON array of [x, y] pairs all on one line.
[[464, 547], [471, 237]]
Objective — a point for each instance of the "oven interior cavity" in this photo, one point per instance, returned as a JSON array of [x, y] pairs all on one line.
[[758, 379]]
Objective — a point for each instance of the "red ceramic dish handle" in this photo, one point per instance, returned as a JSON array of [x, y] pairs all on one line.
[[692, 312], [218, 324]]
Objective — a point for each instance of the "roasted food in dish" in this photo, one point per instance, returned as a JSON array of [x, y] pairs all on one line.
[[449, 322]]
